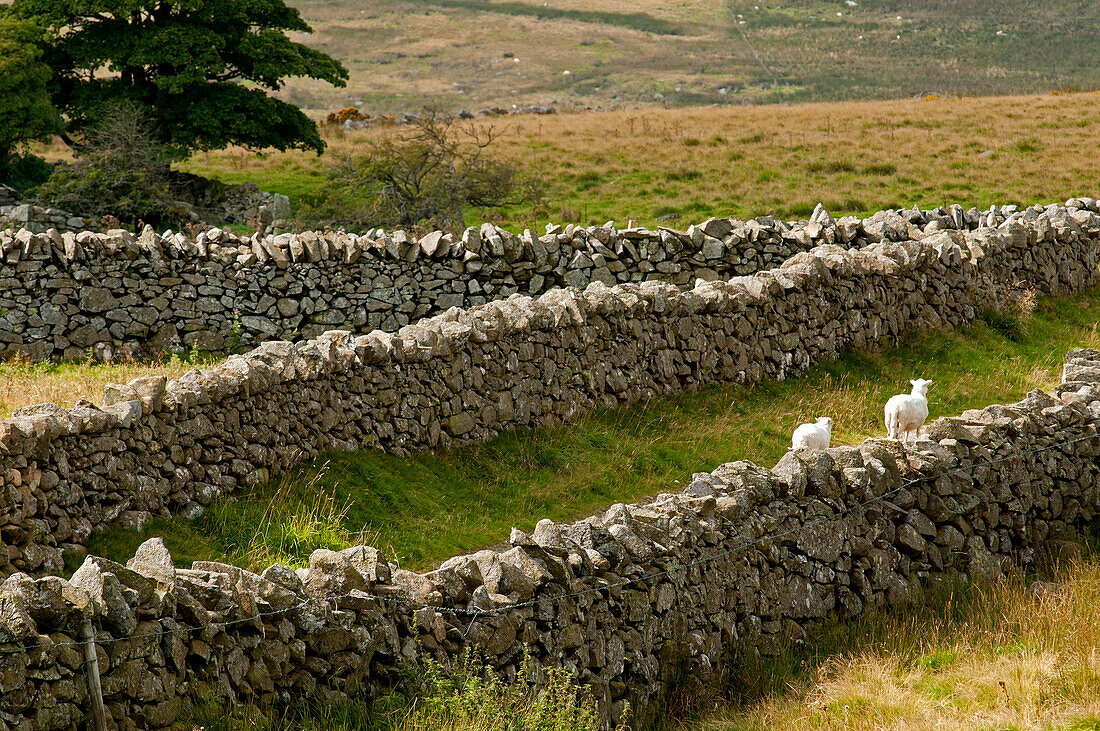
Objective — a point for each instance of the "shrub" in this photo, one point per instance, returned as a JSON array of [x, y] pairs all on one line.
[[471, 697], [423, 177], [344, 115], [468, 698], [23, 172], [121, 170]]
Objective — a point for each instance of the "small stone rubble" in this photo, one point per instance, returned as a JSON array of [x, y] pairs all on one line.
[[744, 557], [62, 294]]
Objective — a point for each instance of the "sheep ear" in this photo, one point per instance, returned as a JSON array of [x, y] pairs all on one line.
[[912, 382]]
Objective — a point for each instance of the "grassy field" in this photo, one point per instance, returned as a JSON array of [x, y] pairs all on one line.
[[986, 657], [456, 54], [425, 508], [23, 383], [679, 166]]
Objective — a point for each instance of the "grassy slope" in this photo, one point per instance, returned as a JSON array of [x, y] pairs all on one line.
[[425, 508], [683, 165], [404, 54], [983, 657]]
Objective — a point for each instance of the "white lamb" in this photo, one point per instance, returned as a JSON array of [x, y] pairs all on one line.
[[813, 436], [906, 412]]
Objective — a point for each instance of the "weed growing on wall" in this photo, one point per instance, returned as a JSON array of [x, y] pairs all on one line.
[[468, 697], [471, 697]]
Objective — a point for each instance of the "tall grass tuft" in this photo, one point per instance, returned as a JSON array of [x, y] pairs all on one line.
[[1002, 655], [300, 516], [473, 698]]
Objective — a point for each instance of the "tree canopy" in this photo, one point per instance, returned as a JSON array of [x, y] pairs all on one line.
[[25, 109], [201, 67]]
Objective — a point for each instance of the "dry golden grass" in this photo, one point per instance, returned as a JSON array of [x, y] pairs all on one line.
[[454, 53], [23, 383], [988, 657], [856, 157]]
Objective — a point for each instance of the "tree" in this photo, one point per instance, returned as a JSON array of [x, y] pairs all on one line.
[[25, 110], [201, 67]]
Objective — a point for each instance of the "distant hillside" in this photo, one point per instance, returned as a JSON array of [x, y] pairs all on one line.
[[404, 54]]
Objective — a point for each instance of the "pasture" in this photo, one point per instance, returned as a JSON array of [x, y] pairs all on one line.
[[424, 508], [469, 54], [680, 166]]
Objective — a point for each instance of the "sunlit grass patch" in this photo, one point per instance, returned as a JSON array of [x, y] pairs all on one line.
[[855, 157], [24, 382], [981, 656]]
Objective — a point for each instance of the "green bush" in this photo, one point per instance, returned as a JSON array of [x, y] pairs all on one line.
[[470, 697], [121, 170], [473, 698], [24, 172], [25, 110]]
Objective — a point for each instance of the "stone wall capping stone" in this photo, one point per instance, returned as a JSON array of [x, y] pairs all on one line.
[[222, 288]]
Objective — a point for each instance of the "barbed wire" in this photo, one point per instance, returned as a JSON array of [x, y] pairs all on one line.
[[478, 613]]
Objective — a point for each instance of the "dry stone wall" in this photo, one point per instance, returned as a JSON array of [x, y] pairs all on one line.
[[156, 449], [63, 294], [743, 557], [36, 219]]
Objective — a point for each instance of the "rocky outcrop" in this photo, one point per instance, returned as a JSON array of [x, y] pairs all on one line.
[[743, 557]]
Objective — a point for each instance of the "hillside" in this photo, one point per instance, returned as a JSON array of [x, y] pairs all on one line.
[[474, 53]]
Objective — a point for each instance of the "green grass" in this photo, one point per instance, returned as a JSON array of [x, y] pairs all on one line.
[[424, 508]]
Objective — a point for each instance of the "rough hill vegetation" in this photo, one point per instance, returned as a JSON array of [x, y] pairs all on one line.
[[474, 53]]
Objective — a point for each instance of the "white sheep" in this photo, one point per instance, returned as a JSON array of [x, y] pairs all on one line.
[[813, 436], [906, 412]]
